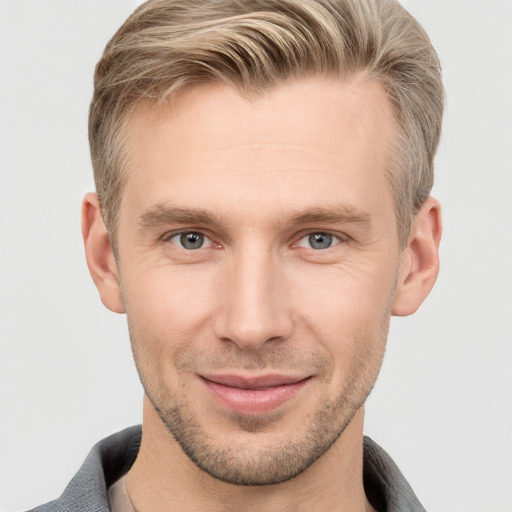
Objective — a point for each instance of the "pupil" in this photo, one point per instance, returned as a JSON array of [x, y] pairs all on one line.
[[191, 240], [320, 240]]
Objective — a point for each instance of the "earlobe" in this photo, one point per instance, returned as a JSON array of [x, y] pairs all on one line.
[[100, 258], [420, 260]]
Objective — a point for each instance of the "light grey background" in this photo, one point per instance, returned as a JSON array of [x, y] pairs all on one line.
[[443, 404]]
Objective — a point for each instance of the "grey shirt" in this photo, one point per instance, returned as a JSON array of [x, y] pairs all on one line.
[[385, 486]]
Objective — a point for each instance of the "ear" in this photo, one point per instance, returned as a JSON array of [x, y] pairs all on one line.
[[420, 260], [100, 258]]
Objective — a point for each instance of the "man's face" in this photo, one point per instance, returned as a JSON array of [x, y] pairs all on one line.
[[258, 257]]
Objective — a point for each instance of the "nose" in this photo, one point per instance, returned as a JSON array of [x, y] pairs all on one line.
[[254, 306]]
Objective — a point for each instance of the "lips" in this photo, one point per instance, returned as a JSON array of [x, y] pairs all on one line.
[[253, 395]]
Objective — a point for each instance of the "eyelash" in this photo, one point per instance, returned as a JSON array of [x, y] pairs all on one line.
[[169, 236], [335, 239]]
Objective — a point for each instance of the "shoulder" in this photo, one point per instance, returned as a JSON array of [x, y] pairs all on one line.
[[384, 484], [107, 462]]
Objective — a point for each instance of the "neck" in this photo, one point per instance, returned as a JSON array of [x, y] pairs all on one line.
[[164, 478]]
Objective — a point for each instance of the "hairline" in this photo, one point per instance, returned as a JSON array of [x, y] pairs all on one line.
[[121, 150]]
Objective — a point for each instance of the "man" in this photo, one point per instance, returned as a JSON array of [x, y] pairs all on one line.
[[263, 172]]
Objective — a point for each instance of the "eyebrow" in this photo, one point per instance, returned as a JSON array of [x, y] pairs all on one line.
[[165, 214], [332, 215], [162, 214]]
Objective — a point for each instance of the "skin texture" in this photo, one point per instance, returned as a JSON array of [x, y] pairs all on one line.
[[254, 181]]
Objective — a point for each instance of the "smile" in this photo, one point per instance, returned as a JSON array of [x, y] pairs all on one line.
[[257, 395]]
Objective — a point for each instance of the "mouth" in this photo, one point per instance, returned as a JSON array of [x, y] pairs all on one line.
[[254, 395]]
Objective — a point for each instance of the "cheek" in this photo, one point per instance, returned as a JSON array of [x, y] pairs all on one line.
[[344, 298], [166, 312], [348, 313], [169, 302]]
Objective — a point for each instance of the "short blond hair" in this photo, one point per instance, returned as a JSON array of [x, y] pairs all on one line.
[[254, 45]]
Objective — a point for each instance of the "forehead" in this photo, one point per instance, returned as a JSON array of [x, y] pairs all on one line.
[[294, 145]]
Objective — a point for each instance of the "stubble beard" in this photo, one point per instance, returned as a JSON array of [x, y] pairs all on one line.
[[237, 462]]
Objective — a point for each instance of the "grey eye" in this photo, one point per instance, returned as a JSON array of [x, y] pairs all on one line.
[[320, 240], [191, 241]]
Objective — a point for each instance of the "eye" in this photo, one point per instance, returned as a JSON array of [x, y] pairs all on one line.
[[319, 241], [190, 240]]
